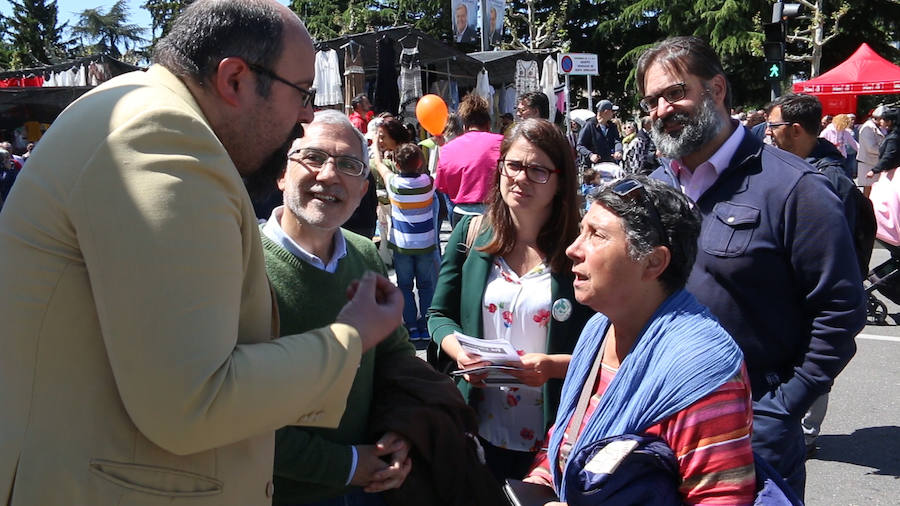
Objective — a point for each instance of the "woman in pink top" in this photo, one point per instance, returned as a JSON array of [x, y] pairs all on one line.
[[467, 164]]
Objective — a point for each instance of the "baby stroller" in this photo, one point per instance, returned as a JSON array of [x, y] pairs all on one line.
[[885, 280]]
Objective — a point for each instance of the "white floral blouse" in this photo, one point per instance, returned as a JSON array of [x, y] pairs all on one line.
[[517, 309]]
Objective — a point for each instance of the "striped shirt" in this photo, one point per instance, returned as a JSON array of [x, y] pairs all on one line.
[[412, 216], [710, 439]]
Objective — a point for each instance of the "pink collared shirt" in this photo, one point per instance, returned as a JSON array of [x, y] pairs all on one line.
[[695, 183]]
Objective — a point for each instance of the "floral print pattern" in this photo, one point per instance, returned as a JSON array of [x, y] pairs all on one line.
[[515, 308]]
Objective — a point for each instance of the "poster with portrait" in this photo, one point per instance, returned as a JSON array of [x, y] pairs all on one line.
[[465, 14], [492, 29]]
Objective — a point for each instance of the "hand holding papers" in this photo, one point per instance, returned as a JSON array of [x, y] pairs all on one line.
[[489, 362]]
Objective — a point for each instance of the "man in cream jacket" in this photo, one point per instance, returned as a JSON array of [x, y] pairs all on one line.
[[139, 361]]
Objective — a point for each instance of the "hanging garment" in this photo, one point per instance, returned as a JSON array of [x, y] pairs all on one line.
[[410, 81], [549, 81], [387, 95], [354, 74], [328, 78], [483, 86], [527, 74]]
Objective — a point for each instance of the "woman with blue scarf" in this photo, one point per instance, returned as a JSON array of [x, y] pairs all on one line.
[[653, 365]]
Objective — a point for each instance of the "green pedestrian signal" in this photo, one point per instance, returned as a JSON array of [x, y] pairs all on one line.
[[774, 70]]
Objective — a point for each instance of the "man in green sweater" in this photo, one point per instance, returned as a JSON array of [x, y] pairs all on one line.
[[311, 262]]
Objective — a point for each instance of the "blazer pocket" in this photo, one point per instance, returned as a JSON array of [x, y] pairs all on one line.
[[156, 480], [728, 231]]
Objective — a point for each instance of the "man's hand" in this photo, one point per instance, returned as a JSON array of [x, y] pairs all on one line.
[[870, 174], [617, 155], [595, 158], [375, 309], [396, 449]]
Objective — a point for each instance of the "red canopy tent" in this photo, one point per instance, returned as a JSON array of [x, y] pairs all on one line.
[[864, 73]]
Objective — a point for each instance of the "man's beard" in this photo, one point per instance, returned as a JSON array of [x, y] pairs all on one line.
[[698, 129], [262, 182]]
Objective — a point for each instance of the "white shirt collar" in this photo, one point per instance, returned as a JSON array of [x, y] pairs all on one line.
[[273, 231]]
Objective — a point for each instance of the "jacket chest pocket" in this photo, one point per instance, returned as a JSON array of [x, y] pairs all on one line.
[[727, 232]]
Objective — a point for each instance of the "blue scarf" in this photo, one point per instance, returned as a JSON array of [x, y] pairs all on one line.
[[682, 355]]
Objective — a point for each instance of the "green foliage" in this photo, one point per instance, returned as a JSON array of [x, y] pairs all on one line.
[[106, 31], [36, 39], [163, 14], [327, 19]]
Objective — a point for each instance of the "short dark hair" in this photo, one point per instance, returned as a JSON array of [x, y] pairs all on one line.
[[686, 55], [357, 100], [805, 110], [395, 129], [209, 31], [537, 100], [561, 227], [409, 158], [680, 222], [475, 111]]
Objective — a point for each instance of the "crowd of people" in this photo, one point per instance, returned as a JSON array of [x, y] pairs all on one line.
[[199, 354]]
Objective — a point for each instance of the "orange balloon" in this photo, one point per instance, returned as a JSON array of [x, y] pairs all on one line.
[[431, 112]]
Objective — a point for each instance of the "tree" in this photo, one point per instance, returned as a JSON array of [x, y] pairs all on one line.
[[539, 24], [163, 14], [106, 31], [36, 39], [813, 36], [327, 19]]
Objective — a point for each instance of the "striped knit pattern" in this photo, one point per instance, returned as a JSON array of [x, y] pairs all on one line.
[[412, 215], [710, 438]]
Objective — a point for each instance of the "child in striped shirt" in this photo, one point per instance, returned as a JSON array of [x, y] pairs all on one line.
[[412, 237]]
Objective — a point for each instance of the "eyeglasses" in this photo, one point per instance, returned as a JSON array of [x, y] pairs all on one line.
[[771, 125], [627, 188], [308, 95], [671, 94], [535, 173], [316, 159]]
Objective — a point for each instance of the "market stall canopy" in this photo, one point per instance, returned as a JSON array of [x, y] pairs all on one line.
[[43, 104], [864, 73], [442, 57], [501, 65]]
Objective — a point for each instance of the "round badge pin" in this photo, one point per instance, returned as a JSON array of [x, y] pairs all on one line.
[[562, 309]]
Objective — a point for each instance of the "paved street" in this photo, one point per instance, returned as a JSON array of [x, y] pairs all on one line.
[[858, 462]]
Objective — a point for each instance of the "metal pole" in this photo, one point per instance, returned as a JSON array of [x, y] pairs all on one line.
[[590, 94], [484, 22], [568, 109]]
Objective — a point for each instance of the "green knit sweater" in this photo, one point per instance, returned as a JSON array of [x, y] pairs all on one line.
[[312, 464]]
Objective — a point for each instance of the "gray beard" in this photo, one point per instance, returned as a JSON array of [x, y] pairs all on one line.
[[698, 129]]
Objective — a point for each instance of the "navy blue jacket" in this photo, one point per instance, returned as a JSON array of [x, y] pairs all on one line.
[[591, 140], [776, 264]]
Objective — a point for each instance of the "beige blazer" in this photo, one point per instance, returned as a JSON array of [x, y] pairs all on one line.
[[137, 359]]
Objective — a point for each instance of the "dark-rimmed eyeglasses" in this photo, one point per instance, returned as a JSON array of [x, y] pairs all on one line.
[[775, 124], [535, 173], [671, 94], [315, 159], [630, 188], [308, 95]]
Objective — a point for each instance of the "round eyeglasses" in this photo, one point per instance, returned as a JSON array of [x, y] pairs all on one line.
[[316, 159], [535, 173]]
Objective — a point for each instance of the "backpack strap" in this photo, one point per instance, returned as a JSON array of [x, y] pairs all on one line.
[[473, 230]]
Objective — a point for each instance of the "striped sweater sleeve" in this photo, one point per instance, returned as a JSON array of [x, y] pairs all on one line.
[[711, 440]]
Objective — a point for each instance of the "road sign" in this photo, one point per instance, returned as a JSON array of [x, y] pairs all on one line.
[[578, 64]]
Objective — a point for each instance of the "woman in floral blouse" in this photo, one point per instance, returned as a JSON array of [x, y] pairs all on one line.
[[515, 283]]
